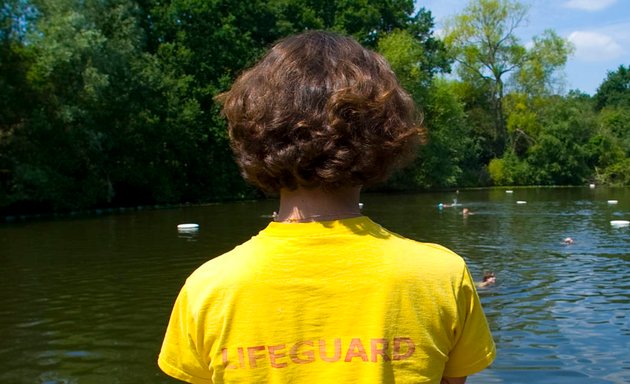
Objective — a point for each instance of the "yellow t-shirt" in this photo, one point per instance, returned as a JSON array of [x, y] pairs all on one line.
[[332, 302]]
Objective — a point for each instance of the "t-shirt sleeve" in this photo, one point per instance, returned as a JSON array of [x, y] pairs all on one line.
[[474, 347], [180, 356]]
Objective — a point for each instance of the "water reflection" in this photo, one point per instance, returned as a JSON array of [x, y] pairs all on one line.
[[87, 300]]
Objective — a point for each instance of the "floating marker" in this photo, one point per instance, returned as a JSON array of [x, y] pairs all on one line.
[[509, 191], [521, 202], [360, 205], [187, 227], [592, 186], [612, 201], [619, 223]]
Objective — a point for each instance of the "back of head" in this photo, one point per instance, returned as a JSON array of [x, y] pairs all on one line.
[[319, 111]]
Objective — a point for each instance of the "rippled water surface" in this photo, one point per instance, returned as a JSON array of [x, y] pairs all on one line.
[[86, 300]]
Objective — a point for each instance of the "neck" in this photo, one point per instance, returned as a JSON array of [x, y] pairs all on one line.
[[307, 205]]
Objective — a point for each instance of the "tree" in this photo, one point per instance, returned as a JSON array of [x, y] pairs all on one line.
[[485, 46], [609, 148], [556, 141], [441, 160], [560, 155], [86, 88], [15, 20], [615, 90], [203, 45], [484, 43], [450, 156], [534, 81], [366, 20], [539, 73], [408, 60], [111, 102], [524, 121], [16, 95]]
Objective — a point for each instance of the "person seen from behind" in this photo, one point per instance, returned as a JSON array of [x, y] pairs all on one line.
[[323, 294]]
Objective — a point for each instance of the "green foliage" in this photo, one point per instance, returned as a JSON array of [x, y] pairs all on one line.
[[451, 153], [439, 162], [450, 150], [523, 123], [551, 143], [407, 57], [110, 102], [617, 174], [609, 148], [538, 74], [15, 92], [366, 20], [615, 90], [498, 172], [560, 156], [510, 170], [484, 43], [482, 38]]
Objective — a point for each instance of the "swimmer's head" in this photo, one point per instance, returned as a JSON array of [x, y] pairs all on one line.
[[489, 277]]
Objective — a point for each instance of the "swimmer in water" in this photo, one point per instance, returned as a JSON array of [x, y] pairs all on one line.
[[489, 278]]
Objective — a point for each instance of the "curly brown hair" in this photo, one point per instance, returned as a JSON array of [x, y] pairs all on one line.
[[320, 110]]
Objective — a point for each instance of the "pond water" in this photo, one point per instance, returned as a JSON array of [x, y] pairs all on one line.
[[87, 299]]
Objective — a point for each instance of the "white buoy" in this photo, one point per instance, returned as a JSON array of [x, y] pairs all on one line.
[[612, 202], [187, 227], [592, 186], [521, 202], [360, 205], [619, 223], [509, 191]]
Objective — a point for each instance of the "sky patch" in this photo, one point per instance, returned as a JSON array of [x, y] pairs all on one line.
[[589, 5], [595, 46], [599, 30]]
